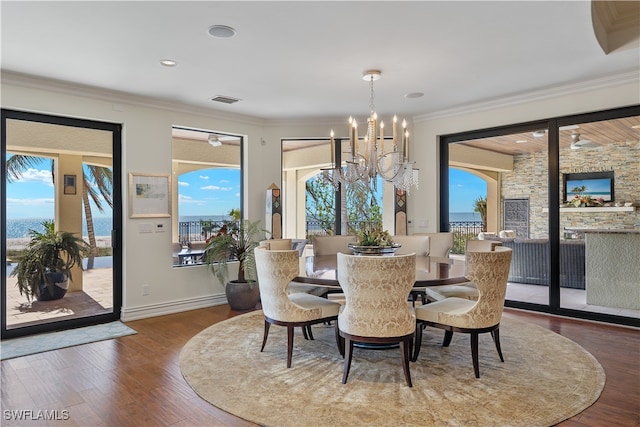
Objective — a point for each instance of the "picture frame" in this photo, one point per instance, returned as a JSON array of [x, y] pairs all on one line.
[[149, 195], [69, 184]]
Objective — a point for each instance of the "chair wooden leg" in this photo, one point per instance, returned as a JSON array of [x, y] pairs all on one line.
[[309, 332], [474, 353], [266, 334], [304, 333], [348, 348], [289, 345], [495, 334], [447, 338], [404, 350], [417, 341], [339, 340]]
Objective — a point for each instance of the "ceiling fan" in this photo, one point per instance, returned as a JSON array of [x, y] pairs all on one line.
[[577, 142]]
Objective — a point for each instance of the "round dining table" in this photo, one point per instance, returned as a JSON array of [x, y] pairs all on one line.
[[321, 270]]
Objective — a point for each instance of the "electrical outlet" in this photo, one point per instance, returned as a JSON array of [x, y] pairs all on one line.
[[145, 290]]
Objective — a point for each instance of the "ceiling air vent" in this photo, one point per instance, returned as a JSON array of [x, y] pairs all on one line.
[[225, 99]]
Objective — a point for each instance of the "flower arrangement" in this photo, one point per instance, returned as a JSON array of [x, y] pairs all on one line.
[[374, 237]]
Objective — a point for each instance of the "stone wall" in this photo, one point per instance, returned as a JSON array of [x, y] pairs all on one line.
[[529, 180]]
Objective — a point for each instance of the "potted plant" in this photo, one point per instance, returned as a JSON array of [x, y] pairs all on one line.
[[235, 241], [44, 270], [374, 241]]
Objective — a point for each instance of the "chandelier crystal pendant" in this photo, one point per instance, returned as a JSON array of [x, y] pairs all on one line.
[[367, 158]]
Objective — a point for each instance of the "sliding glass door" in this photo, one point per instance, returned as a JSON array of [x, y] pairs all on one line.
[[562, 193], [59, 178]]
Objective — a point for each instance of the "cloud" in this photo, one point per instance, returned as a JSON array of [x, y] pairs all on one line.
[[37, 175], [204, 177], [237, 194], [216, 188], [183, 184], [183, 197], [224, 181]]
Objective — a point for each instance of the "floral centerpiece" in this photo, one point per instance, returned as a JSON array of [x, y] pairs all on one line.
[[374, 241], [583, 200]]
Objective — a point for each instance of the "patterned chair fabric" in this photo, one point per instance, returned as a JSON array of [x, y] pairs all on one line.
[[489, 271], [376, 311], [465, 290], [276, 269]]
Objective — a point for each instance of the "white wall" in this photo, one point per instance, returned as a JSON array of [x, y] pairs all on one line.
[[147, 149]]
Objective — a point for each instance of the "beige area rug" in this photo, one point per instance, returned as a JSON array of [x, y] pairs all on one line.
[[545, 378]]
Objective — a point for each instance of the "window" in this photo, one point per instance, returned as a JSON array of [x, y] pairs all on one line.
[[207, 175]]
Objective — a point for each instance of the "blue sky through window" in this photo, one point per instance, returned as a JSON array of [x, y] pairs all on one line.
[[464, 189]]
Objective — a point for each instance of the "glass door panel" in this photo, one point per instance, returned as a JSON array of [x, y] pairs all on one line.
[[599, 239], [59, 178], [511, 205]]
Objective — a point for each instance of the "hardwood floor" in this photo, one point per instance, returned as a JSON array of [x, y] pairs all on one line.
[[136, 380]]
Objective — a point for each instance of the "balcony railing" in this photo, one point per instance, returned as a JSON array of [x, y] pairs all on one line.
[[198, 231], [463, 231], [321, 228]]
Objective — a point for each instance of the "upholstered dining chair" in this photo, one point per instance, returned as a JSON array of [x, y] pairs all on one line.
[[418, 245], [376, 290], [489, 271], [331, 245], [275, 270], [277, 244], [464, 290], [439, 243]]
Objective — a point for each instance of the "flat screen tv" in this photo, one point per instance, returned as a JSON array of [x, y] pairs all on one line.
[[595, 184]]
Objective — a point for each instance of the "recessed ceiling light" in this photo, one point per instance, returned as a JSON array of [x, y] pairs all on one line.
[[221, 31], [521, 141], [414, 95], [635, 127], [539, 133], [168, 62]]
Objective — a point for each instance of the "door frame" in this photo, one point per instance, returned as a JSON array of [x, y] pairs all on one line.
[[116, 232]]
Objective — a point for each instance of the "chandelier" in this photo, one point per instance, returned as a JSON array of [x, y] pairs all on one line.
[[367, 158]]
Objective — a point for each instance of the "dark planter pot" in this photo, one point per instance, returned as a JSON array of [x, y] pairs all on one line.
[[241, 295], [50, 293]]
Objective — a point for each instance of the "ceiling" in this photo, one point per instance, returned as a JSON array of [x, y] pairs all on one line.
[[297, 60]]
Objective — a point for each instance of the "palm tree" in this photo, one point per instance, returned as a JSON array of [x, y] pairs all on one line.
[[480, 206], [97, 182]]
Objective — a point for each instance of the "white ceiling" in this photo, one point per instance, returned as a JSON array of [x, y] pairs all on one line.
[[293, 60]]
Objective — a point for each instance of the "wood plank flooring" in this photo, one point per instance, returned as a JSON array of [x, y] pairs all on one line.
[[136, 380]]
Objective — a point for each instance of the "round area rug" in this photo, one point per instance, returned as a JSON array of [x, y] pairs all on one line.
[[545, 378]]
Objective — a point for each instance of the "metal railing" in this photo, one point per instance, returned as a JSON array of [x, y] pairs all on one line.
[[323, 228], [197, 231], [463, 231]]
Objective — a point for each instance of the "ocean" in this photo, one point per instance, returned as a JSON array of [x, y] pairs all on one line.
[[19, 227]]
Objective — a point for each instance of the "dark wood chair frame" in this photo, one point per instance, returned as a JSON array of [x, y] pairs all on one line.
[[448, 334], [306, 330], [345, 346]]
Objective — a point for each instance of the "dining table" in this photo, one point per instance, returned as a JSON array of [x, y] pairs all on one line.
[[321, 270]]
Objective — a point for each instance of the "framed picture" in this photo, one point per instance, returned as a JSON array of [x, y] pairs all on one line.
[[69, 184], [149, 195], [594, 184]]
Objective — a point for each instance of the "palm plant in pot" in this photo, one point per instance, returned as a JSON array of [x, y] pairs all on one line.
[[235, 241], [44, 271]]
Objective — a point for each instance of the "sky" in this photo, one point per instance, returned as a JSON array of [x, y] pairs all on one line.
[[203, 192], [464, 189]]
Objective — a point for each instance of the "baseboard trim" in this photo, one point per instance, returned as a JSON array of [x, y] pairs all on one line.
[[142, 312]]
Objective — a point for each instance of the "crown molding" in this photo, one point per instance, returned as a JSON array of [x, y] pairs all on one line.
[[75, 89], [553, 92]]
